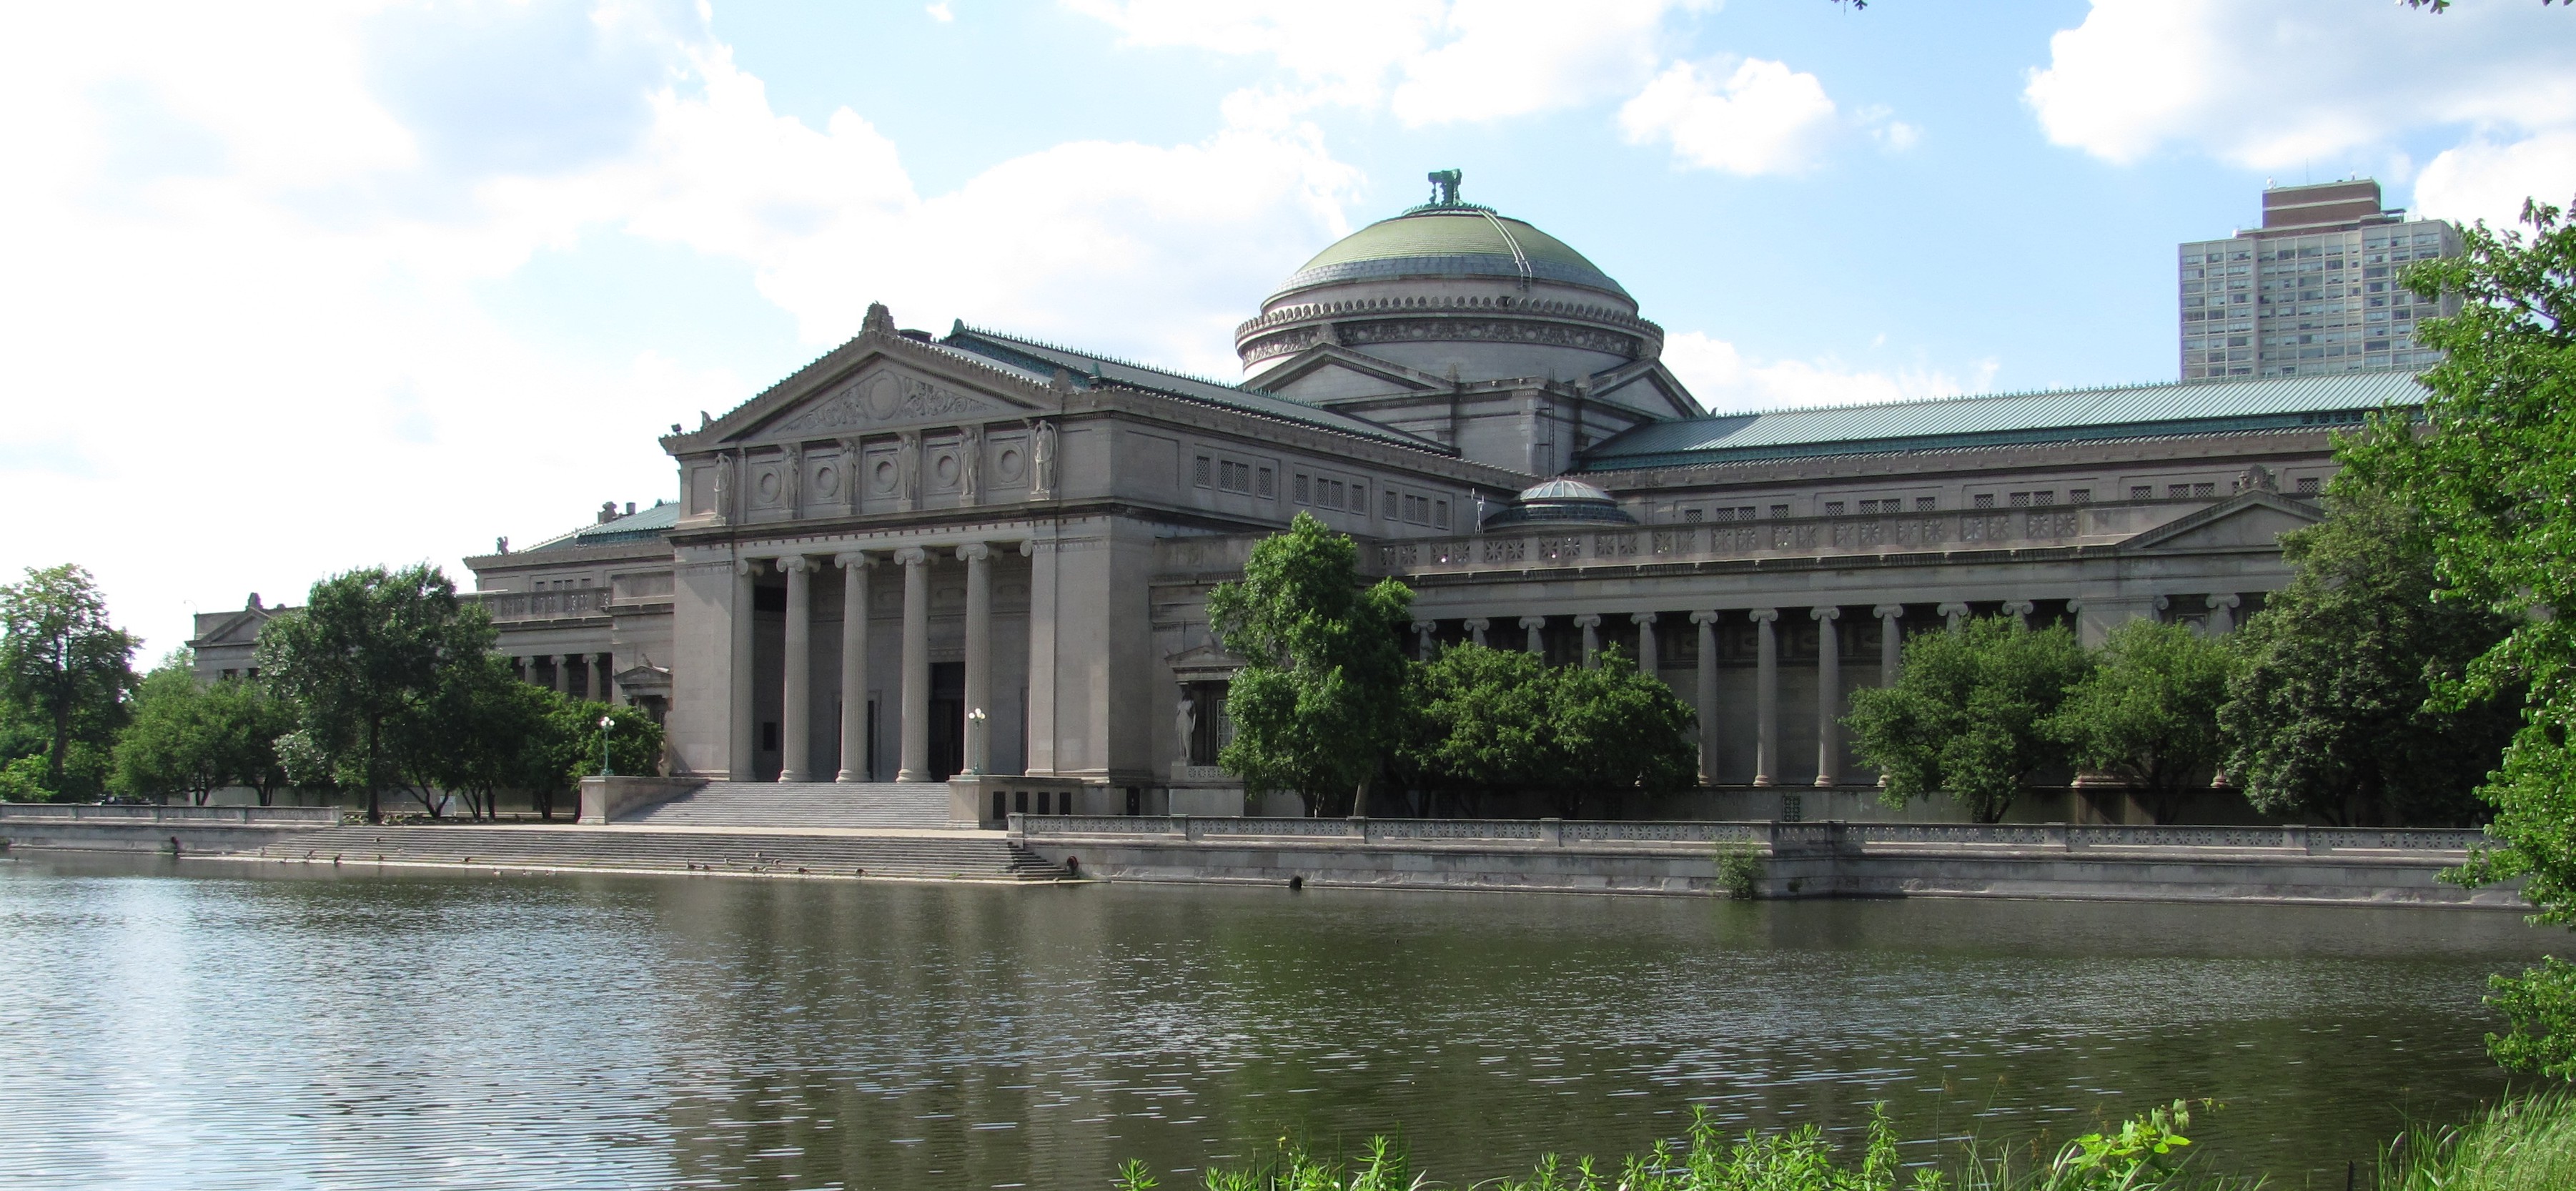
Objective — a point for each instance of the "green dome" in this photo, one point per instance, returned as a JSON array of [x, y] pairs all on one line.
[[1449, 241]]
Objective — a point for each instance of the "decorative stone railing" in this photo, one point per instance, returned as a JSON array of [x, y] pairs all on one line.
[[542, 605], [1782, 839], [1537, 548], [324, 815]]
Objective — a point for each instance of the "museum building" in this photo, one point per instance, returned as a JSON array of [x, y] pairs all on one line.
[[981, 559]]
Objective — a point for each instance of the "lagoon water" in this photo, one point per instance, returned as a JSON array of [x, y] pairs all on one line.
[[208, 1024]]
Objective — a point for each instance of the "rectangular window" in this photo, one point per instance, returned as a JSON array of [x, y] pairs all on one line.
[[1265, 484], [1833, 508], [2078, 496], [1386, 505], [2209, 489], [2307, 485], [1745, 512], [1199, 471], [1440, 514], [1359, 499], [1303, 495], [1926, 504], [1779, 510], [2043, 498], [1985, 500], [2019, 500], [1233, 476], [1338, 495], [1692, 514], [2177, 491]]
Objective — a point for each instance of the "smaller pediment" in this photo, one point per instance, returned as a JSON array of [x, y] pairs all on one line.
[[1331, 372], [884, 397], [1204, 661], [2247, 521]]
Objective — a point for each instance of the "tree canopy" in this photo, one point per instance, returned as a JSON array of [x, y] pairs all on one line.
[[1481, 719], [2148, 712], [192, 739], [2329, 716], [64, 674], [1315, 705], [1967, 715], [366, 662]]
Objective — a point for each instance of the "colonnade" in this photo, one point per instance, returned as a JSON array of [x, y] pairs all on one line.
[[1767, 761], [912, 665], [602, 667]]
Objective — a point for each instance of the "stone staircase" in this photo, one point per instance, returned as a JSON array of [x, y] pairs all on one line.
[[972, 856], [802, 805]]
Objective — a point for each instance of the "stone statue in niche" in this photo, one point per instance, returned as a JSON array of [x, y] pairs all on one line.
[[850, 460], [792, 489], [724, 487], [1185, 720], [970, 456], [1042, 460], [907, 458]]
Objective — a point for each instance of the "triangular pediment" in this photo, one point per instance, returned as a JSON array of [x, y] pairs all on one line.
[[242, 629], [1330, 372], [885, 396], [2248, 521]]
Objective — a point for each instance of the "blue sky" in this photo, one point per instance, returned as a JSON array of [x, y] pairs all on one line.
[[325, 284]]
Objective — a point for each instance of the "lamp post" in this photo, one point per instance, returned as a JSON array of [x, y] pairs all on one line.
[[604, 770], [974, 737]]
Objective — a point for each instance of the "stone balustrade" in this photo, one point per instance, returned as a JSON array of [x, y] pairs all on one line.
[[1779, 839], [40, 811], [568, 604]]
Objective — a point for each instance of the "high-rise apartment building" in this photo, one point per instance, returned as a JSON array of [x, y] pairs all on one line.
[[2313, 290]]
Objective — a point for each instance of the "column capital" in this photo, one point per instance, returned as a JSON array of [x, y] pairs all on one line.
[[1477, 624], [912, 556], [2226, 600], [974, 552], [795, 563], [1588, 620], [1889, 611], [748, 566], [853, 560], [1763, 615], [1705, 617], [1533, 622], [2020, 607], [2162, 602], [1953, 610], [1825, 612], [1641, 618], [1426, 626]]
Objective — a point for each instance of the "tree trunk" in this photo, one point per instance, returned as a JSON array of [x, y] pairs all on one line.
[[1359, 800], [62, 745], [375, 808]]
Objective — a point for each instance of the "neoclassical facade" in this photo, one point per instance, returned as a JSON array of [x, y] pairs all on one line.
[[978, 557]]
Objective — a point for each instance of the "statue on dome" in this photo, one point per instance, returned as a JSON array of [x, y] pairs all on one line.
[[1444, 187]]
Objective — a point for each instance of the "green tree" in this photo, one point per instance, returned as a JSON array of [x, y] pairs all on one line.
[[482, 732], [2149, 712], [634, 745], [370, 650], [1476, 721], [1480, 720], [1967, 714], [67, 669], [1615, 732], [191, 739], [2331, 713], [1315, 706]]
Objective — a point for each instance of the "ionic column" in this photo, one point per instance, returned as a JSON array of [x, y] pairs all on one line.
[[796, 705], [913, 764], [1422, 630], [854, 666], [1891, 641], [1645, 622], [603, 686], [563, 672], [1829, 696], [1591, 626], [1957, 614], [1532, 625], [2222, 613], [1707, 622], [1766, 696], [742, 761], [2019, 610], [1476, 627], [978, 558]]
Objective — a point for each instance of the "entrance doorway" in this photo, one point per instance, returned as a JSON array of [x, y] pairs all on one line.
[[947, 719]]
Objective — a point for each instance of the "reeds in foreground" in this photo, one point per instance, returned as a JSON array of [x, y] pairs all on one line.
[[2524, 1144]]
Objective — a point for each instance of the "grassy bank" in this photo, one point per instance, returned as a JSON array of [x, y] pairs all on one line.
[[2528, 1144]]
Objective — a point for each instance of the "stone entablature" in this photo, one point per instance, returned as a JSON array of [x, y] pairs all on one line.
[[1497, 319]]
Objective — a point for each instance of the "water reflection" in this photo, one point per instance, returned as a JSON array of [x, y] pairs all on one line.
[[207, 1025]]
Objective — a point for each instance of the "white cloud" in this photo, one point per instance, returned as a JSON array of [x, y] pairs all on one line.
[[1428, 61], [2487, 180], [2327, 84], [247, 347], [1751, 116], [940, 12], [1727, 381]]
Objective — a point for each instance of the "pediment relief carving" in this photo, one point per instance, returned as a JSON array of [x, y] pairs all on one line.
[[885, 398], [2251, 521]]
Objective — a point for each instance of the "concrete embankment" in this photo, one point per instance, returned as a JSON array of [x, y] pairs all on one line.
[[1793, 860], [182, 829]]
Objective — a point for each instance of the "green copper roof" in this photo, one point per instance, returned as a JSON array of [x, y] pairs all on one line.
[[1450, 241], [643, 525], [2000, 419]]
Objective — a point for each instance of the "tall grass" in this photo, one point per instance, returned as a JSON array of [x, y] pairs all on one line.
[[2143, 1154], [2527, 1144]]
